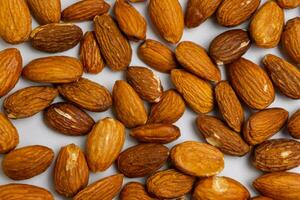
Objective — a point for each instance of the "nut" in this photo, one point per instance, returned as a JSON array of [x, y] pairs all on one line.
[[294, 125], [134, 191], [9, 135], [45, 12]]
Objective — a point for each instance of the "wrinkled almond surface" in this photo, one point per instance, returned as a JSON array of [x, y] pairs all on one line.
[[288, 4], [9, 137], [134, 191], [294, 125]]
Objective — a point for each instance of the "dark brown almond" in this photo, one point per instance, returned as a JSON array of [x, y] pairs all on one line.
[[134, 191], [261, 198], [9, 137], [294, 125]]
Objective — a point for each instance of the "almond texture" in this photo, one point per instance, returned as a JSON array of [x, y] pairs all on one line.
[[9, 137], [288, 4], [134, 191], [294, 125]]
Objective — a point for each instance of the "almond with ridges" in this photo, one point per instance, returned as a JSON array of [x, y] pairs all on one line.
[[294, 125], [9, 137], [134, 191], [261, 198], [288, 4], [45, 12]]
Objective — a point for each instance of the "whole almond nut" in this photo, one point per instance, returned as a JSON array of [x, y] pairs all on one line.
[[267, 24], [68, 119], [142, 160], [251, 83], [104, 143], [15, 23], [260, 126], [197, 159], [9, 137], [29, 101], [27, 162], [167, 17], [294, 125], [196, 92], [261, 198], [85, 10], [134, 191], [170, 184], [114, 47], [87, 94], [53, 69], [288, 4], [71, 172]]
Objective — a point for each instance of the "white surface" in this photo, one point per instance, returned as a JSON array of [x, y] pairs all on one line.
[[34, 131]]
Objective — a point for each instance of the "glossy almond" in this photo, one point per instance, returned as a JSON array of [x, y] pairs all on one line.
[[29, 101], [197, 159], [294, 125], [87, 94], [71, 172], [288, 4], [251, 83], [260, 126], [196, 92], [45, 12], [9, 137], [27, 162], [134, 191]]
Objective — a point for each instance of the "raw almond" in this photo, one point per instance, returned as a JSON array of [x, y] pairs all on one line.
[[9, 137], [104, 189], [136, 1], [85, 10], [142, 160], [260, 126], [114, 47], [284, 75], [27, 162], [104, 143], [294, 125], [251, 83], [219, 135], [71, 172], [15, 23], [170, 184], [167, 17], [68, 119], [197, 159], [220, 187], [134, 191], [267, 24], [29, 101], [53, 69], [196, 92], [87, 94], [261, 198], [288, 4]]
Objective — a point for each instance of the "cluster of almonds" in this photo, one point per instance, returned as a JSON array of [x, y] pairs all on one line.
[[198, 84]]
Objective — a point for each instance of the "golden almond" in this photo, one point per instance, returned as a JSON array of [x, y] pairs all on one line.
[[294, 125], [9, 137], [261, 198], [45, 12], [134, 191], [288, 4]]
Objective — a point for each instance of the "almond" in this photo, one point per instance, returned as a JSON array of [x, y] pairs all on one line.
[[142, 160], [45, 12], [9, 137], [68, 119], [114, 47], [260, 126], [27, 162], [11, 68], [136, 1], [104, 143], [261, 198], [284, 75], [251, 83], [87, 94], [288, 4], [169, 184], [294, 125], [104, 189], [29, 101], [53, 69], [219, 135], [196, 92], [267, 24], [197, 159], [85, 10], [134, 191], [15, 23], [167, 17]]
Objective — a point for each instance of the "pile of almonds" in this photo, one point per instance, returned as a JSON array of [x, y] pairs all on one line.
[[193, 166]]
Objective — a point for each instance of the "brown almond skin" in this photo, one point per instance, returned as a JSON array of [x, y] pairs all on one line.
[[16, 191], [279, 185], [288, 4], [11, 68], [260, 126], [90, 54], [219, 135], [220, 187], [169, 184], [27, 162], [198, 11], [87, 94], [134, 191], [229, 46], [284, 75], [267, 24], [29, 101], [157, 55], [104, 189], [261, 198], [71, 172], [234, 12], [114, 47], [85, 10], [9, 137], [294, 125], [133, 160], [251, 84], [53, 69], [167, 17], [68, 119]]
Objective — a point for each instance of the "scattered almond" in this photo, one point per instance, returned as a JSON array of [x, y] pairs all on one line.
[[9, 137], [294, 125], [288, 4], [134, 191]]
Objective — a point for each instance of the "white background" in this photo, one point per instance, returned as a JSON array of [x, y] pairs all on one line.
[[34, 131]]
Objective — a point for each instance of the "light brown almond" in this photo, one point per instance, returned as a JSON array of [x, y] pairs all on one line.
[[9, 137], [134, 191], [294, 125]]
